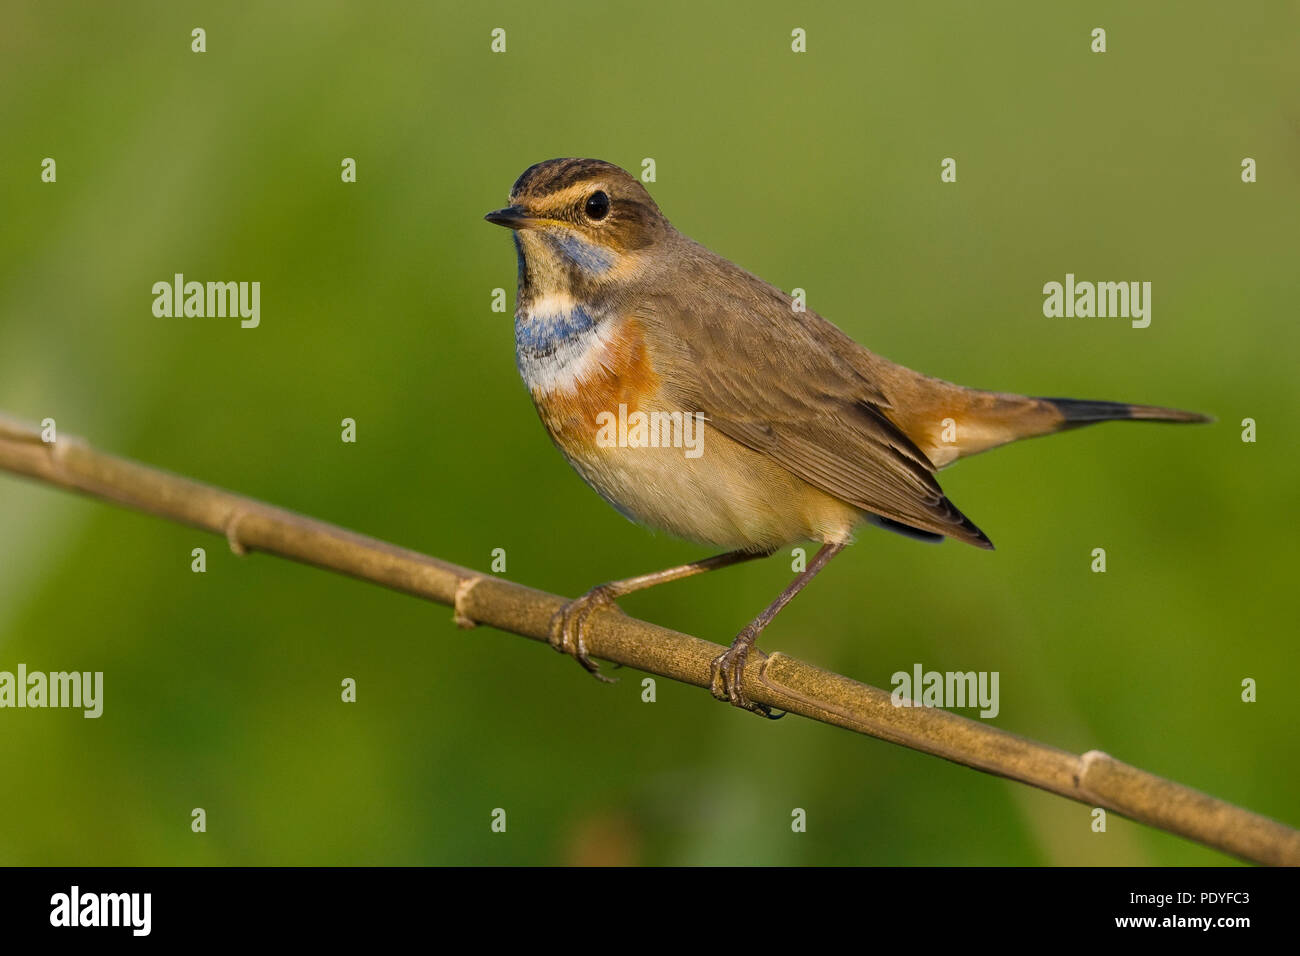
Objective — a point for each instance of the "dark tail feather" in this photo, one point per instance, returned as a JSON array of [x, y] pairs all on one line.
[[1078, 412], [965, 531], [982, 420]]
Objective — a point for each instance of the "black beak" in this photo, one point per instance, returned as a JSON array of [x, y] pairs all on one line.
[[512, 217]]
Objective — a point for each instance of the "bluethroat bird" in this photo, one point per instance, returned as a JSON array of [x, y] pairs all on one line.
[[803, 433]]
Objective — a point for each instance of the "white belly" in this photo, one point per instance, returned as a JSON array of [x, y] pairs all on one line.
[[730, 497]]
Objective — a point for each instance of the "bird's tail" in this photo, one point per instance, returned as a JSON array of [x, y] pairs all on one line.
[[949, 422], [1076, 412]]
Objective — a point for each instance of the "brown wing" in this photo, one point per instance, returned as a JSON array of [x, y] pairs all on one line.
[[794, 387]]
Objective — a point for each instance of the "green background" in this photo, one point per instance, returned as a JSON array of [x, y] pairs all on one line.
[[818, 170]]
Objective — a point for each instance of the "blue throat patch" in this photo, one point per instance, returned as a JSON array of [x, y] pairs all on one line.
[[543, 334], [583, 254]]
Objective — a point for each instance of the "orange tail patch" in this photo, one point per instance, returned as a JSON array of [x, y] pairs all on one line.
[[949, 422]]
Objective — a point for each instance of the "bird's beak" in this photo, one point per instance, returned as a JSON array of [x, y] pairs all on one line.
[[512, 217]]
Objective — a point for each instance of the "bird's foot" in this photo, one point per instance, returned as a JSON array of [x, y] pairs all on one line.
[[728, 675], [569, 627]]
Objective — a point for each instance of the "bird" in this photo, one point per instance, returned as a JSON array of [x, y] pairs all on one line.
[[802, 434]]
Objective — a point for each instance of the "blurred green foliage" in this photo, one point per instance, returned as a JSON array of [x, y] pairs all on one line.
[[818, 170]]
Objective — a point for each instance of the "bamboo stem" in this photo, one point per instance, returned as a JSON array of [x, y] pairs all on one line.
[[1094, 779]]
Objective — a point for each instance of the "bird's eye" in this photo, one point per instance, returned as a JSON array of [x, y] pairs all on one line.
[[597, 205]]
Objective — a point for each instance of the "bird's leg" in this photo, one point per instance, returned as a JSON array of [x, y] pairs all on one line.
[[729, 667], [569, 624]]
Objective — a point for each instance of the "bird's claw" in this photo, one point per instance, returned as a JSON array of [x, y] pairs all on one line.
[[728, 676], [569, 625]]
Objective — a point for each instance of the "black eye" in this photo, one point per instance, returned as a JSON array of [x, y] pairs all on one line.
[[597, 205]]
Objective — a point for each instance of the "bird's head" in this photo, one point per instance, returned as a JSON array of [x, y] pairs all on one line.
[[579, 224]]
